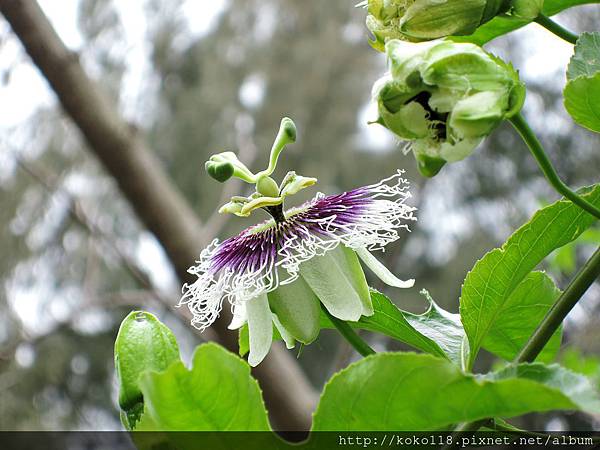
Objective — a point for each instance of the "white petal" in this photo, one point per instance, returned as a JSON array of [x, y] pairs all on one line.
[[381, 271], [260, 328], [240, 317], [289, 340]]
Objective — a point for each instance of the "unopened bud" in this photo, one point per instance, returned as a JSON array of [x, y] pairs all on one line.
[[424, 20]]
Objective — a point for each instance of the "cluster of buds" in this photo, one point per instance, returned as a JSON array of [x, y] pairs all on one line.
[[424, 20], [445, 98]]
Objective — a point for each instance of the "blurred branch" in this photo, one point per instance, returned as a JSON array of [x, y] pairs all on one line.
[[139, 175]]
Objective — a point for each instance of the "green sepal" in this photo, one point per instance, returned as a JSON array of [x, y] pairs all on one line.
[[429, 166], [339, 281], [297, 308]]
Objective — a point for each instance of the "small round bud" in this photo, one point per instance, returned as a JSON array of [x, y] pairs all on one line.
[[220, 171]]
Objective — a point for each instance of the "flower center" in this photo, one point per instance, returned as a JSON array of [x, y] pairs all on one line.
[[276, 212]]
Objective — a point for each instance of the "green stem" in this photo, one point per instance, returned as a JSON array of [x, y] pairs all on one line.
[[521, 125], [565, 303], [350, 335], [558, 30]]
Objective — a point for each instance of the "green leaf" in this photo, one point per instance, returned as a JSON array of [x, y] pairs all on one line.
[[443, 327], [488, 286], [489, 31], [501, 25], [521, 313], [582, 92], [586, 60], [564, 259], [571, 384], [588, 365], [435, 331], [405, 391], [217, 394], [552, 7], [582, 101]]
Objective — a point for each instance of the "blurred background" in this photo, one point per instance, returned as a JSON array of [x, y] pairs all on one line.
[[200, 77]]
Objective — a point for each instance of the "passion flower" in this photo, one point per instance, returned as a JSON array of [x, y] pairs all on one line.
[[279, 272]]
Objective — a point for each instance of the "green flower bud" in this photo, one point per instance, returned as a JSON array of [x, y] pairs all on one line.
[[143, 343], [445, 98], [424, 20]]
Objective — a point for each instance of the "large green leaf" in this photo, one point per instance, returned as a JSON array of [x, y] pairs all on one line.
[[521, 313], [505, 24], [405, 391], [216, 394], [488, 286], [552, 7]]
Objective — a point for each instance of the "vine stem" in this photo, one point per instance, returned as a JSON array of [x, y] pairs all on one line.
[[537, 150], [349, 334], [557, 29], [565, 303]]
